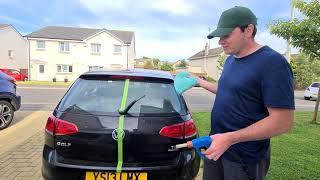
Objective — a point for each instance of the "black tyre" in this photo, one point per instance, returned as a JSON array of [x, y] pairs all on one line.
[[307, 98], [6, 114]]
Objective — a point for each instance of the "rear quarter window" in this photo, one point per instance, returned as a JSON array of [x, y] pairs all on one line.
[[103, 97], [315, 85]]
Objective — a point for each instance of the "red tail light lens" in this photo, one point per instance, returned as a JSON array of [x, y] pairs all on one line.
[[173, 131], [65, 128], [50, 125], [179, 131], [57, 126], [190, 129]]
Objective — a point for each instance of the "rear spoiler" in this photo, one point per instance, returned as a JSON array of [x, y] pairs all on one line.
[[122, 77]]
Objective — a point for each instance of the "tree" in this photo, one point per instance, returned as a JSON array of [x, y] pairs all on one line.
[[305, 70], [221, 60], [304, 33], [166, 67], [156, 63], [183, 63], [148, 65], [293, 66]]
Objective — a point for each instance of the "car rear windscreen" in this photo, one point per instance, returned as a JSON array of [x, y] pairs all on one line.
[[103, 97], [315, 85]]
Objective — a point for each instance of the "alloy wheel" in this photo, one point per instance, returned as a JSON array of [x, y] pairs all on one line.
[[5, 115]]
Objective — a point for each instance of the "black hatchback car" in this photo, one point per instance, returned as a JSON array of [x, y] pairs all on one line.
[[10, 100], [114, 125]]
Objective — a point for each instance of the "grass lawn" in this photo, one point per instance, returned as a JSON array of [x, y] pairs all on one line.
[[47, 83], [295, 155]]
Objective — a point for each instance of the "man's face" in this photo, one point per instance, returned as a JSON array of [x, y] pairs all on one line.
[[233, 42]]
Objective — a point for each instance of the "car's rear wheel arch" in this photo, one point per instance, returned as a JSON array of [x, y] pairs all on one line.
[[11, 101]]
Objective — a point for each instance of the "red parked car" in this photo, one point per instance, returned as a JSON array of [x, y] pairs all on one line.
[[17, 75]]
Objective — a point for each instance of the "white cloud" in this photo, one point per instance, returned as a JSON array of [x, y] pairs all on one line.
[[11, 20], [169, 50], [182, 47], [163, 38], [265, 38], [99, 6], [176, 7], [179, 7]]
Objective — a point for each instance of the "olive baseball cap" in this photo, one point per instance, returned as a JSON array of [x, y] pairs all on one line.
[[232, 18]]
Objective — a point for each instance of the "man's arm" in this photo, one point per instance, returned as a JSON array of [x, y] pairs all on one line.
[[278, 122], [212, 87]]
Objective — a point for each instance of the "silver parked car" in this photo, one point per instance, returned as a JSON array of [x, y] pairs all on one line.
[[312, 91]]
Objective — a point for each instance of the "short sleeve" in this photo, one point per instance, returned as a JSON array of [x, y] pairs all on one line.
[[277, 83]]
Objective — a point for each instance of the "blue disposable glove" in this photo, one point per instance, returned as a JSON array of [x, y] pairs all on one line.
[[184, 81]]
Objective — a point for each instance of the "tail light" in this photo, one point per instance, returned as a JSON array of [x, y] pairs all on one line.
[[50, 125], [182, 130], [190, 129], [58, 127]]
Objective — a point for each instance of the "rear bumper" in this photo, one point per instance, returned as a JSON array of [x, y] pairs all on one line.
[[309, 94], [186, 169]]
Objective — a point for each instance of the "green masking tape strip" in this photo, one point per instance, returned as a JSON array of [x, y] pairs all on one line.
[[120, 128]]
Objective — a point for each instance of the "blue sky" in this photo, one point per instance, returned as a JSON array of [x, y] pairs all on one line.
[[164, 29]]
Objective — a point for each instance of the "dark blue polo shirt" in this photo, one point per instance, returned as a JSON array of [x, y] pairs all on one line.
[[246, 88]]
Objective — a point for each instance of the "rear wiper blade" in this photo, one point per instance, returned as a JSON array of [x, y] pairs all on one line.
[[125, 111]]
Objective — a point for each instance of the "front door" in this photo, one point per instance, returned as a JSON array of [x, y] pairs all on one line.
[[41, 74]]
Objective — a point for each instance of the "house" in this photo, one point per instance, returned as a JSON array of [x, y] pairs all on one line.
[[177, 64], [13, 49], [66, 52], [140, 63], [292, 56], [177, 68], [205, 62]]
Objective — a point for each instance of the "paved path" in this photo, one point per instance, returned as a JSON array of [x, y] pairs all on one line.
[[23, 161], [21, 148]]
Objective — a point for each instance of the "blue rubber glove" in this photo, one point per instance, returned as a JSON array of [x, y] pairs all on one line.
[[184, 81]]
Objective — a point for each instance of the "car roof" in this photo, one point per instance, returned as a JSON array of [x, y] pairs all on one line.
[[132, 72], [4, 76]]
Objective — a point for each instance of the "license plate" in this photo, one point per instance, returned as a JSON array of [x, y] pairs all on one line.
[[116, 176]]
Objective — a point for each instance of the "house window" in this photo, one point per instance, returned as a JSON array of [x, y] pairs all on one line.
[[61, 68], [64, 46], [41, 44], [95, 48], [117, 49], [41, 69], [95, 68], [10, 54]]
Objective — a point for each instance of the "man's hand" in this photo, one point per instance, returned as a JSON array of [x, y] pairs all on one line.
[[278, 122], [220, 143]]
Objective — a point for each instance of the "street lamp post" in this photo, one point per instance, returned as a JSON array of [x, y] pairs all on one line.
[[289, 41]]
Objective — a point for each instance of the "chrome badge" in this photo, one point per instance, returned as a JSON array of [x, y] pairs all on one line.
[[63, 144], [115, 134]]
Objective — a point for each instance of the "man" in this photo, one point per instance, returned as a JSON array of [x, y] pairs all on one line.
[[254, 101]]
